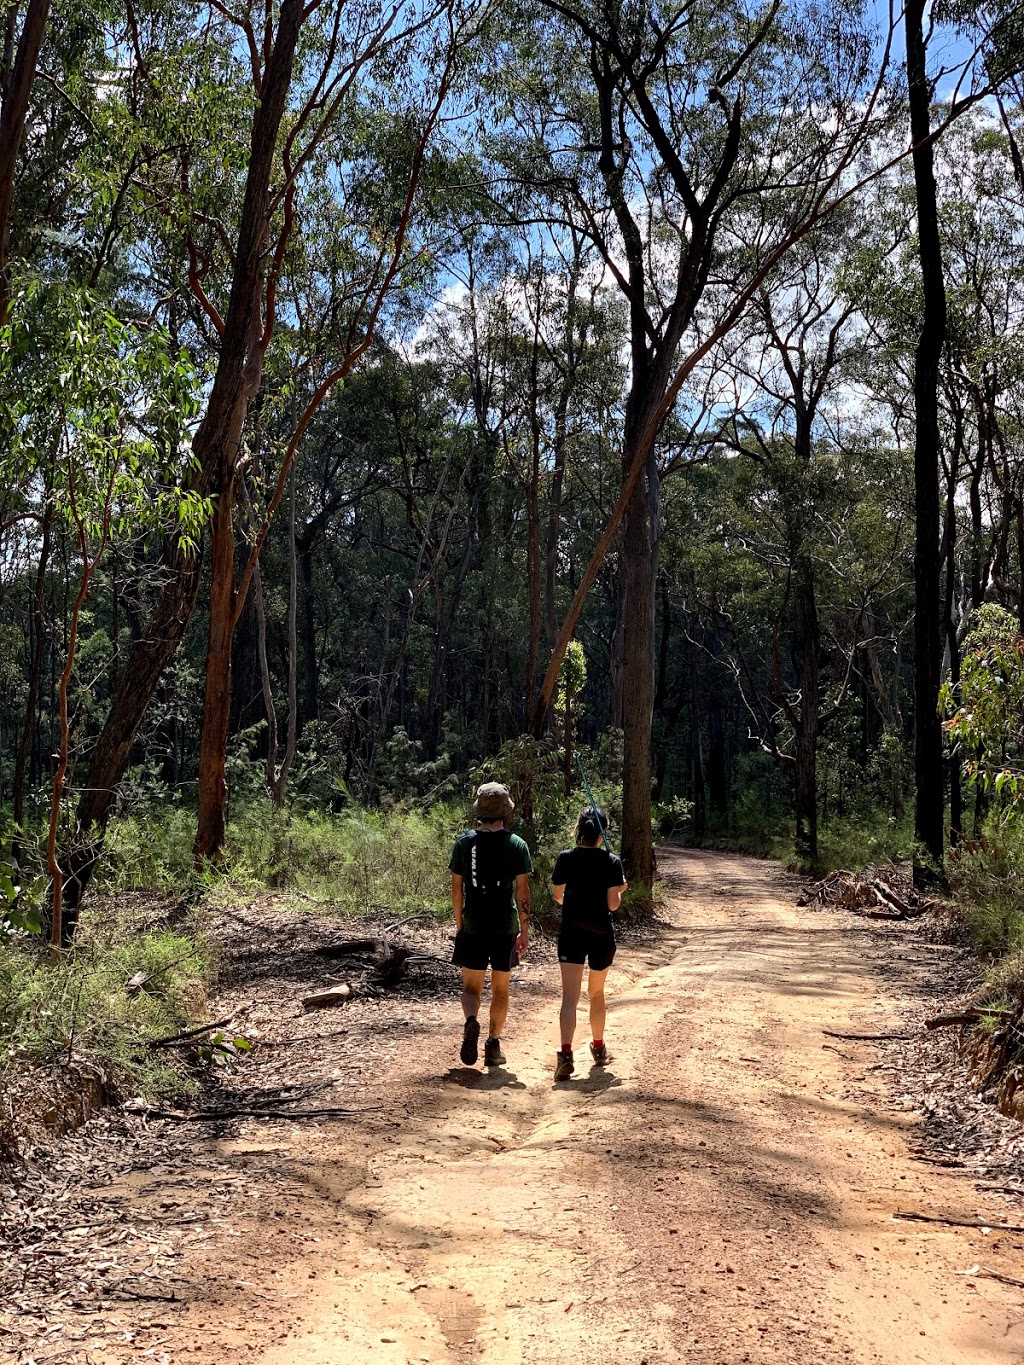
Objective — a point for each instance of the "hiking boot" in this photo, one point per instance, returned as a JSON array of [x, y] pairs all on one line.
[[564, 1066], [470, 1037], [493, 1055], [599, 1052]]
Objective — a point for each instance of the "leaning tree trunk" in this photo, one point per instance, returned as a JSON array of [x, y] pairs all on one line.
[[928, 815]]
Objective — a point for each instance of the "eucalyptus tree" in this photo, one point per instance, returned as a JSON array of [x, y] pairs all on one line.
[[241, 116], [103, 404], [23, 44], [792, 365], [693, 145], [998, 51]]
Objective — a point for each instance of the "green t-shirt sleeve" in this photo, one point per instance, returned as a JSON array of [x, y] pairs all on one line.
[[521, 856], [457, 862]]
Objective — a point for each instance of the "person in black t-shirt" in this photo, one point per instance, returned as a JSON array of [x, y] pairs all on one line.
[[588, 884], [490, 870]]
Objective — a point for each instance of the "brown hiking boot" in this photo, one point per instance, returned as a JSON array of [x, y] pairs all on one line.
[[470, 1037], [493, 1055], [564, 1065], [600, 1054]]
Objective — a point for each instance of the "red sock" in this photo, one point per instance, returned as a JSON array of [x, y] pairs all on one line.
[[599, 1042], [567, 1047]]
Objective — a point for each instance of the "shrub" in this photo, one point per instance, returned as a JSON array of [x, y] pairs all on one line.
[[78, 1007], [987, 879]]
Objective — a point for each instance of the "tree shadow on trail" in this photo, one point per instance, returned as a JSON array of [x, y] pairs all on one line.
[[497, 1078]]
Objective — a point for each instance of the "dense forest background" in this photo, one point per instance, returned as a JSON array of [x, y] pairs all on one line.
[[393, 397]]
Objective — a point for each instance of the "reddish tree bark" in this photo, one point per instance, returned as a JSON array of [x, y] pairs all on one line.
[[12, 128], [215, 447]]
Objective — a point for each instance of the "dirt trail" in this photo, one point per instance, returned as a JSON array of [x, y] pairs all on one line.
[[722, 1192]]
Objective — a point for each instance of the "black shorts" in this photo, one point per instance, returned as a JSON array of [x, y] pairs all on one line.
[[480, 951], [585, 945]]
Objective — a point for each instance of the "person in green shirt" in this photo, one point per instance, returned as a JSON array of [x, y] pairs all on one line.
[[490, 869]]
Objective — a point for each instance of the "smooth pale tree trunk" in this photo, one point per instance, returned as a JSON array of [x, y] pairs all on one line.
[[928, 766]]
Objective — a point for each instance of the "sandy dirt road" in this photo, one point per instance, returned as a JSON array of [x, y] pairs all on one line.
[[722, 1192]]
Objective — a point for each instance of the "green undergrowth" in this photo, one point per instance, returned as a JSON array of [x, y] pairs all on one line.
[[79, 1008], [854, 843], [358, 862], [987, 882]]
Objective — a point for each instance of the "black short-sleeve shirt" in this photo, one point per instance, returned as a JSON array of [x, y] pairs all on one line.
[[587, 874]]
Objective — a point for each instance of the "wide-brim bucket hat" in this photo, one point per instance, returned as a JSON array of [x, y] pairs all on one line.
[[493, 802]]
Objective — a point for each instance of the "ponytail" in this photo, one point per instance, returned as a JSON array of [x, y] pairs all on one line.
[[590, 826]]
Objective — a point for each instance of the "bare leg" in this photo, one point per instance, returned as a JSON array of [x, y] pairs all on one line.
[[499, 1002], [472, 990], [572, 983], [595, 991]]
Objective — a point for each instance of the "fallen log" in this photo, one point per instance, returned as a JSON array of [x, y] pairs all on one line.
[[982, 1273], [958, 1222], [333, 995], [212, 1115], [970, 1016], [349, 946], [187, 1033], [889, 897], [869, 1037]]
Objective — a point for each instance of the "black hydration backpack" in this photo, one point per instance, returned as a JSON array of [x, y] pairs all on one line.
[[488, 886]]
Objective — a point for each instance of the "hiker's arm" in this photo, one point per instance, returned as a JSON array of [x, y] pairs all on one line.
[[458, 899], [559, 893], [523, 906], [615, 895]]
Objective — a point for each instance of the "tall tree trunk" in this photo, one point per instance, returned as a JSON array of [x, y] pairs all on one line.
[[696, 752], [212, 787], [35, 679], [220, 431], [637, 554], [12, 129], [953, 646], [247, 703], [718, 767], [618, 649], [533, 583], [277, 777], [928, 812], [807, 645], [310, 662]]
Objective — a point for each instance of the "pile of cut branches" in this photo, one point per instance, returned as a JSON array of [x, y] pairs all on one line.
[[373, 963], [874, 893]]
